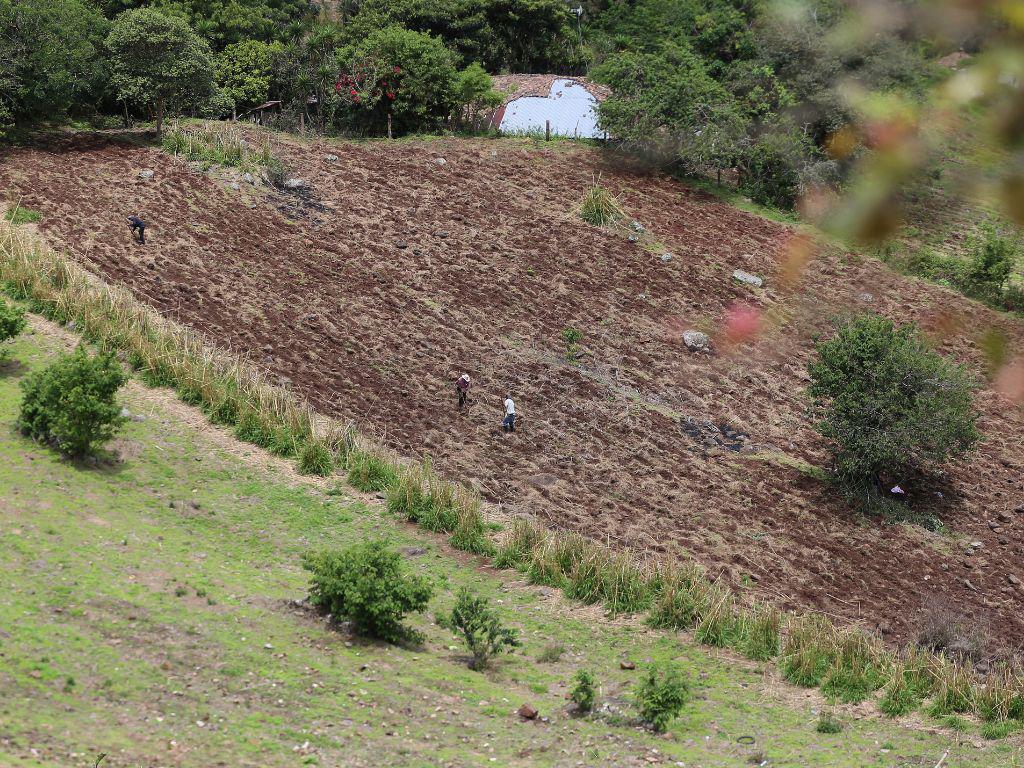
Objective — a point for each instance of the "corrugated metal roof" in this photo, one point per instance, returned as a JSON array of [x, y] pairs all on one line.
[[568, 105]]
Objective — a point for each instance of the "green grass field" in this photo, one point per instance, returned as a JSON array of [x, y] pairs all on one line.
[[149, 612]]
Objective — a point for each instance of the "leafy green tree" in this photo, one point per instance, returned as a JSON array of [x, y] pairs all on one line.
[[158, 61], [72, 402], [771, 165], [51, 60], [512, 35], [583, 693], [244, 71], [12, 322], [398, 80], [474, 91], [888, 403], [367, 584]]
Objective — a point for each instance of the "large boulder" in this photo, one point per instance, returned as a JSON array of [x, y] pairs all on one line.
[[696, 341]]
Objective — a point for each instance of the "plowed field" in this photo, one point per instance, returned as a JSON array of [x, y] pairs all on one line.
[[393, 273]]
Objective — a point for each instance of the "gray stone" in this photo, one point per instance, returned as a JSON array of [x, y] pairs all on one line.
[[295, 183], [147, 174], [696, 341], [746, 277], [666, 257], [637, 226], [632, 238], [248, 178], [867, 298], [440, 161], [235, 186], [331, 158]]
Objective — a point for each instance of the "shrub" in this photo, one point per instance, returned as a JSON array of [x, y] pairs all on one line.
[[572, 338], [759, 632], [858, 667], [71, 404], [583, 694], [367, 584], [888, 403], [993, 258], [12, 322], [599, 207], [369, 473], [470, 534], [551, 653], [941, 629], [517, 549], [808, 651], [827, 723], [315, 459], [770, 167], [661, 695], [480, 628]]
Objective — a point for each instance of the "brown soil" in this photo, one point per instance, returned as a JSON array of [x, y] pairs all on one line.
[[371, 292]]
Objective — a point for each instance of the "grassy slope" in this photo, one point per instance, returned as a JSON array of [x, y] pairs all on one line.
[[163, 633]]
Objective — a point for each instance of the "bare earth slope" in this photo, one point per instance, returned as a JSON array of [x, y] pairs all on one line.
[[396, 273]]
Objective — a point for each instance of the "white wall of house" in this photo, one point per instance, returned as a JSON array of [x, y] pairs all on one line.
[[570, 107]]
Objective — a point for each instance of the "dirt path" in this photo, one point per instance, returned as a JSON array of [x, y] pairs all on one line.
[[398, 273]]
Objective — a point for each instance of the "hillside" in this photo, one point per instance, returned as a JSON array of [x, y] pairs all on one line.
[[371, 290], [172, 631]]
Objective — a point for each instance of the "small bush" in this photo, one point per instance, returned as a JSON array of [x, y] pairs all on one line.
[[470, 534], [572, 338], [808, 651], [759, 632], [600, 208], [993, 258], [12, 322], [717, 624], [315, 459], [857, 670], [367, 584], [517, 548], [827, 723], [71, 404], [888, 403], [676, 604], [941, 629], [583, 693], [369, 473], [661, 695], [998, 729], [481, 629], [627, 587], [908, 685]]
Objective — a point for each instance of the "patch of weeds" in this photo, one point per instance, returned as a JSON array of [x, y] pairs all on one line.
[[953, 690], [717, 624], [998, 729], [584, 692], [517, 548], [954, 723], [627, 587], [760, 632], [808, 650], [250, 428], [675, 606], [369, 473], [180, 591], [905, 689], [661, 694], [551, 653], [827, 723], [480, 628], [315, 459], [470, 534], [858, 668], [19, 215]]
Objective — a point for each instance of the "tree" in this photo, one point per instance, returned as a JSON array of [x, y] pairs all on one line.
[[481, 628], [244, 71], [474, 90], [770, 166], [398, 80], [887, 403], [51, 60], [994, 258], [157, 61]]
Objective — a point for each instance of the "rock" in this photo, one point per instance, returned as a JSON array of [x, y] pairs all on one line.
[[401, 244], [440, 161], [125, 413], [666, 257], [636, 226], [543, 480], [867, 298], [527, 712], [331, 158], [235, 186], [746, 277], [443, 234], [1013, 580], [1020, 510], [976, 544], [1005, 516], [71, 325], [627, 665], [147, 174], [295, 183], [696, 341], [248, 178], [414, 551], [633, 238]]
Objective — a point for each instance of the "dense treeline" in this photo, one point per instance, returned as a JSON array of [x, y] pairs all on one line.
[[701, 85]]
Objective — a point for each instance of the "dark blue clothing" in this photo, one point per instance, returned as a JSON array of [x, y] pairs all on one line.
[[509, 424], [135, 223]]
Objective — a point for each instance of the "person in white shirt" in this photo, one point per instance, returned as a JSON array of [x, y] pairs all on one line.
[[509, 424]]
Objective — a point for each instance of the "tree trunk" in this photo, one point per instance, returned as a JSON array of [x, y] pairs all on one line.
[[159, 117], [389, 124]]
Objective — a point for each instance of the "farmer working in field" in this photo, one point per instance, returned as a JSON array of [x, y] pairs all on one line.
[[509, 424], [136, 223], [462, 388]]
